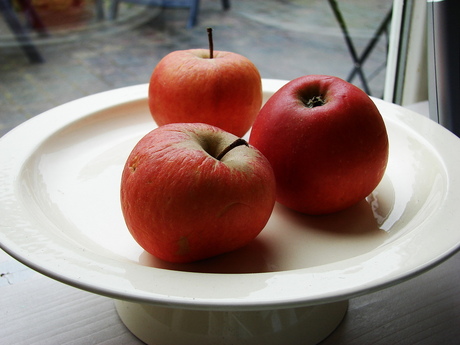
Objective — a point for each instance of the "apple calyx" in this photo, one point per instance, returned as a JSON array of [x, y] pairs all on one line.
[[236, 143], [315, 101], [211, 44]]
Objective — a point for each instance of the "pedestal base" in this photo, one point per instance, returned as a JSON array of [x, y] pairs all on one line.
[[156, 325]]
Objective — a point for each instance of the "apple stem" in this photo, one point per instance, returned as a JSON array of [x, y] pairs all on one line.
[[211, 44], [236, 143], [315, 101]]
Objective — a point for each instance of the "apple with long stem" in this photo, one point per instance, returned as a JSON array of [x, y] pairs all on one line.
[[326, 141], [220, 88], [191, 191]]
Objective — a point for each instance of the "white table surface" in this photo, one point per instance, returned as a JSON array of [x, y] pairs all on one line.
[[35, 309]]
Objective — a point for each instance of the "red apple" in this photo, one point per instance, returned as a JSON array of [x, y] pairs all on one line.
[[326, 141], [224, 90], [192, 191]]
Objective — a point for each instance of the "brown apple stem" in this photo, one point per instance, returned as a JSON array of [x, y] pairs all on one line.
[[315, 101], [211, 44], [236, 143]]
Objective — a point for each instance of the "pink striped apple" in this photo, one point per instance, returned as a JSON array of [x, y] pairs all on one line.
[[192, 191], [220, 88]]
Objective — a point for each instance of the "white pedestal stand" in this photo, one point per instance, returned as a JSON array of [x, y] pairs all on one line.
[[157, 325]]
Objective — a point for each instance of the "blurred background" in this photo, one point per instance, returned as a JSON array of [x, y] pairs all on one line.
[[55, 51]]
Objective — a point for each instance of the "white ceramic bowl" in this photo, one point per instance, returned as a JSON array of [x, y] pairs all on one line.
[[60, 215]]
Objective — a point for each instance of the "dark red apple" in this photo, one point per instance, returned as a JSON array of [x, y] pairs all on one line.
[[326, 141]]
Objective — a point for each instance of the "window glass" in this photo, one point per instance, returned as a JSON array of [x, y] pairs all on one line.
[[55, 51]]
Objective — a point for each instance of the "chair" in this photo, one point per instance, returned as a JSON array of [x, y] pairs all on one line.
[[192, 4], [359, 60], [20, 31]]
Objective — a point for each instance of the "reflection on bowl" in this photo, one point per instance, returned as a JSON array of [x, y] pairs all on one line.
[[292, 240]]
